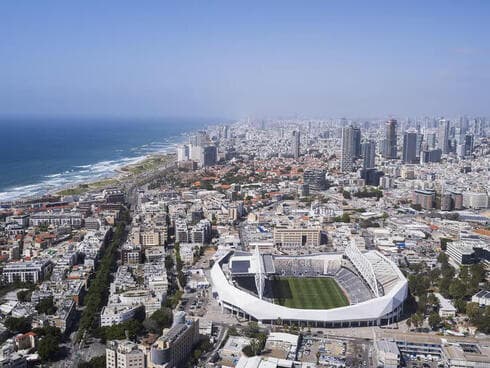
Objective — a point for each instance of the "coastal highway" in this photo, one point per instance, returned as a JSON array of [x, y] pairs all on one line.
[[131, 187]]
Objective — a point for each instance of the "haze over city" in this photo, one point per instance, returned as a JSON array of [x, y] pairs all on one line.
[[224, 184], [226, 59]]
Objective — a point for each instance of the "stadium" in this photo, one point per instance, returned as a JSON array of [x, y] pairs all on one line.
[[350, 289]]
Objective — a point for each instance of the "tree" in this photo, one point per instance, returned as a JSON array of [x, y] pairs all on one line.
[[43, 227], [132, 328], [346, 194], [46, 306], [418, 284], [98, 291], [434, 275], [24, 296], [442, 258], [434, 320], [252, 329], [422, 303], [163, 317], [247, 350], [433, 301], [47, 330], [477, 272], [169, 262], [48, 347], [255, 347], [460, 305], [447, 271], [473, 310], [444, 285], [417, 320], [97, 362], [464, 274], [409, 323], [457, 289], [444, 242], [18, 325]]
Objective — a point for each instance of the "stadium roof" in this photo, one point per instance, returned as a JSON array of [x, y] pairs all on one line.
[[263, 310]]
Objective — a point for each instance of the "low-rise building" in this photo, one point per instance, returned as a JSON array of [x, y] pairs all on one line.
[[387, 354], [446, 308], [482, 298]]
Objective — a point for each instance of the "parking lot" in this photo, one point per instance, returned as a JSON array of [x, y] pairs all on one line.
[[332, 352]]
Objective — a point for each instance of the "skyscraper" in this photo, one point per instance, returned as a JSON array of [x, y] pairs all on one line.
[[356, 136], [390, 149], [296, 143], [468, 144], [368, 150], [410, 147], [347, 155], [443, 137], [182, 153]]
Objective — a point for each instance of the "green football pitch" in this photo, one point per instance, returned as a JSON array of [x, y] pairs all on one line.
[[308, 293]]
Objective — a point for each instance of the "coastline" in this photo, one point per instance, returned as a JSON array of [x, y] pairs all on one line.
[[113, 173], [154, 161]]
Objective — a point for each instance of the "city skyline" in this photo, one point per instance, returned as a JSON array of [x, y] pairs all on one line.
[[248, 185]]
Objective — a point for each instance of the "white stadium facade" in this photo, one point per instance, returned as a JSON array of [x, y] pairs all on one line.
[[375, 287]]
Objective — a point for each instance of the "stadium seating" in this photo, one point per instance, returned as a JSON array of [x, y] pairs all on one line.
[[352, 283]]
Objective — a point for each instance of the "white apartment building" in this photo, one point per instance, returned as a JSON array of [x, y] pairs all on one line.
[[124, 354], [297, 237], [33, 271], [115, 314], [475, 200]]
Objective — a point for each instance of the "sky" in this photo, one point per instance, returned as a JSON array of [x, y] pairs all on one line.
[[235, 59]]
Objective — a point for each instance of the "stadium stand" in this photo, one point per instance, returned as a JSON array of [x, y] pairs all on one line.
[[356, 289]]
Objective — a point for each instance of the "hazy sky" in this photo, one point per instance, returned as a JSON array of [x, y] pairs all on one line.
[[219, 58]]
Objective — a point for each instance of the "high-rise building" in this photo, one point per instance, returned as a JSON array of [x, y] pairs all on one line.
[[226, 132], [430, 139], [410, 147], [443, 138], [209, 155], [182, 153], [296, 143], [430, 155], [315, 179], [347, 155], [368, 151], [424, 198], [371, 176], [199, 139], [420, 140], [468, 144], [456, 200], [390, 149], [356, 137]]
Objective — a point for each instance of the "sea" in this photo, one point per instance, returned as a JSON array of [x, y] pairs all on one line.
[[39, 156]]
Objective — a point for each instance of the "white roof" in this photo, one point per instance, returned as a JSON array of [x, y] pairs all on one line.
[[283, 337], [445, 304], [264, 310]]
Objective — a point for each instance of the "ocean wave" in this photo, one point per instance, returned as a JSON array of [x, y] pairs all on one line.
[[58, 181], [85, 173]]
